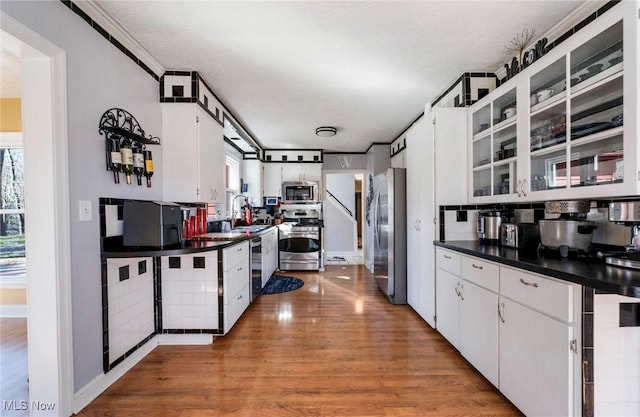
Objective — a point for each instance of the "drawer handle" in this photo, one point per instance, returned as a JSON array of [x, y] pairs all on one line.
[[240, 269], [239, 250], [447, 257], [500, 309], [476, 266], [531, 284], [239, 297]]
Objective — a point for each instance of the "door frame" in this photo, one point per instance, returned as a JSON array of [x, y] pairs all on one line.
[[44, 120]]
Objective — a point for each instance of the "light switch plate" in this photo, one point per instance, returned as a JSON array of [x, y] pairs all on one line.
[[84, 210]]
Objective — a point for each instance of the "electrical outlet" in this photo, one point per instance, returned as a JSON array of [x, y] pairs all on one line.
[[84, 211]]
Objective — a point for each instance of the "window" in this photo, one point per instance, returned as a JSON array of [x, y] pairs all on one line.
[[232, 177], [12, 243]]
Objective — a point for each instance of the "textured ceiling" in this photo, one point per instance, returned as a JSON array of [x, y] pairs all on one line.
[[366, 67]]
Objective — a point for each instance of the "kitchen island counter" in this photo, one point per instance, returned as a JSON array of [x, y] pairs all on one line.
[[597, 275]]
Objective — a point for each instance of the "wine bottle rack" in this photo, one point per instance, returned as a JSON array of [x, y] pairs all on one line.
[[119, 124], [123, 132]]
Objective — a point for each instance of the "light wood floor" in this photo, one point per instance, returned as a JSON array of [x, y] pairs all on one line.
[[14, 386], [335, 347]]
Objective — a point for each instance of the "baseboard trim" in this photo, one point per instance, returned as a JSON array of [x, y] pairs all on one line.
[[185, 339], [99, 384], [13, 311]]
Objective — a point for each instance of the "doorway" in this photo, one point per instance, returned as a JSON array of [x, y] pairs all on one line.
[[343, 217], [46, 208]]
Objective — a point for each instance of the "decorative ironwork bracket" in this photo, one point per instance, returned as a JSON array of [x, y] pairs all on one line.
[[120, 124]]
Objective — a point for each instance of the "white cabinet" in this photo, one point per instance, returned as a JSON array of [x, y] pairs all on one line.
[[301, 172], [272, 175], [420, 228], [236, 280], [448, 306], [189, 291], [192, 154], [518, 329], [566, 126], [479, 329], [536, 372], [252, 176], [440, 126], [467, 300]]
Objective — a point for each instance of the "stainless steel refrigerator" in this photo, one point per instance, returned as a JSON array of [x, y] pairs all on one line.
[[390, 234]]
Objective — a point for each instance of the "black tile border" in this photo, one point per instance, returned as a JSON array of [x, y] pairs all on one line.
[[77, 10], [588, 398]]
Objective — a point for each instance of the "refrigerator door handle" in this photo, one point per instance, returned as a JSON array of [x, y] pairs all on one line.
[[377, 217]]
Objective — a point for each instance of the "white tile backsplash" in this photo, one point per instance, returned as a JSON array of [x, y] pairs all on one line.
[[616, 359], [113, 226]]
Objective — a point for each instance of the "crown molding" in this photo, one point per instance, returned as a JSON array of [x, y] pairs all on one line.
[[95, 12]]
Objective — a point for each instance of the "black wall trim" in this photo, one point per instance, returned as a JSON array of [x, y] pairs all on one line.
[[77, 10]]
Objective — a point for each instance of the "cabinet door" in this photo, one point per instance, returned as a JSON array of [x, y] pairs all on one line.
[[252, 176], [479, 329], [311, 172], [420, 228], [292, 172], [179, 152], [450, 145], [211, 161], [447, 306], [536, 363], [272, 174]]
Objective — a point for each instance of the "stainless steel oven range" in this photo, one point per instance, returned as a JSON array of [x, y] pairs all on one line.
[[299, 247]]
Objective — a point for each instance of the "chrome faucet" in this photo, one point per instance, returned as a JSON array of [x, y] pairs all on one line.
[[233, 211]]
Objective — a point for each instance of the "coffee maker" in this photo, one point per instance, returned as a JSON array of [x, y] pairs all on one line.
[[489, 222]]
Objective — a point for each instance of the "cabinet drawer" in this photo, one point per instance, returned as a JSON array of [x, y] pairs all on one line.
[[235, 254], [236, 306], [234, 279], [482, 273], [548, 296], [447, 260]]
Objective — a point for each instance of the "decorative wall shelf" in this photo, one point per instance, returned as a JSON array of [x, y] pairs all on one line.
[[120, 124]]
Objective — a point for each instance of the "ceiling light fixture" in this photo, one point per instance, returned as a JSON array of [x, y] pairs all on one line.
[[326, 131]]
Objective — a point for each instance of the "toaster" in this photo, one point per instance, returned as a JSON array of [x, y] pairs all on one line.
[[520, 235]]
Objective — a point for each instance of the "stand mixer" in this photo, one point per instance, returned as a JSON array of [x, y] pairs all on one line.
[[627, 214]]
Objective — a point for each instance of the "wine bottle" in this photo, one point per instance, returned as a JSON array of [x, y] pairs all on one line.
[[127, 159], [114, 159], [148, 166], [138, 164]]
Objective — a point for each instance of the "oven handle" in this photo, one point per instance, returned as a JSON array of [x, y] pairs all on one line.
[[289, 235]]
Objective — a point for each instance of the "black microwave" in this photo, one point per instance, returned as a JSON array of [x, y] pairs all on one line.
[[294, 192]]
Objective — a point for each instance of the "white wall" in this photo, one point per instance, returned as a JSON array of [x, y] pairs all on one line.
[[339, 226], [99, 77]]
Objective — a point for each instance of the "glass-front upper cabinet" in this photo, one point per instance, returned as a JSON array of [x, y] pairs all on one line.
[[576, 134], [494, 146]]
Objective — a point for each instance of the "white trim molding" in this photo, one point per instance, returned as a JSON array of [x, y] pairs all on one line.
[[95, 12]]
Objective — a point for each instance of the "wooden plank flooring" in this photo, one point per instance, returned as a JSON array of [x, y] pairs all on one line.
[[14, 386], [335, 347]]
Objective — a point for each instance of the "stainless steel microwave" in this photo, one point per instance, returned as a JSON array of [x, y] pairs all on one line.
[[299, 192]]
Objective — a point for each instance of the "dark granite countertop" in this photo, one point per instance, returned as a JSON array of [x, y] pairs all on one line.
[[597, 275], [113, 248]]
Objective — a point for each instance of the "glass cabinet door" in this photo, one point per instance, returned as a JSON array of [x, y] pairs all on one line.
[[494, 146], [596, 120], [576, 135]]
